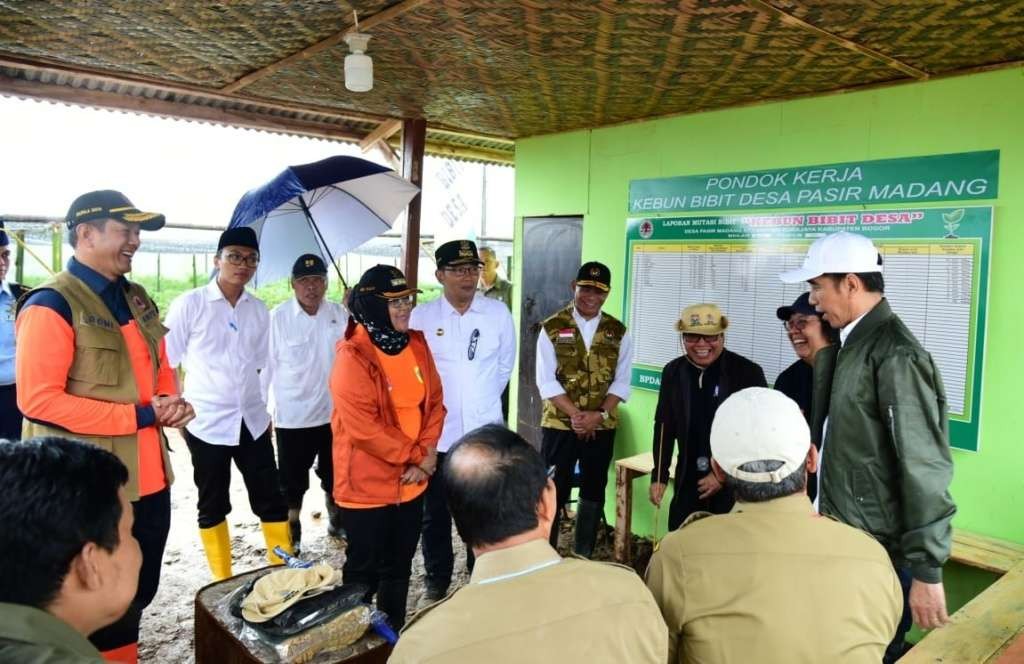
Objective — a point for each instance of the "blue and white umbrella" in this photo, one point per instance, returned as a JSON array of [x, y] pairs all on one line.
[[326, 208]]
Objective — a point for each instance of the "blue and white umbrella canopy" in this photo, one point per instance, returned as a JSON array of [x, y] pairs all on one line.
[[326, 208]]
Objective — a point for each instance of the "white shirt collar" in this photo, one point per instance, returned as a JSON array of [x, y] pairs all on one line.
[[213, 292], [448, 309], [5, 287], [845, 332], [581, 321]]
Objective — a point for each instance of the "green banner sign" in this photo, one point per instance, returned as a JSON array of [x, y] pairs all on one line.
[[935, 261], [948, 177]]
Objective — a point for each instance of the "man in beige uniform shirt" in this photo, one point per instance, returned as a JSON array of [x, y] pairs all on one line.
[[524, 602], [771, 581]]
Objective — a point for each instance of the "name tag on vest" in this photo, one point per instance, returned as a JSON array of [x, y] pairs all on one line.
[[98, 321]]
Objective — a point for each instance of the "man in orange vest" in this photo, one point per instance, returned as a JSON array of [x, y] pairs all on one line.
[[90, 364]]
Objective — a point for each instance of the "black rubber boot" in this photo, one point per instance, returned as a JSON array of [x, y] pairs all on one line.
[[295, 528], [588, 515], [391, 598], [334, 527]]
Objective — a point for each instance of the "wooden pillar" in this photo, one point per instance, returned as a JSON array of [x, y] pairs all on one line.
[[414, 135], [19, 256], [56, 248]]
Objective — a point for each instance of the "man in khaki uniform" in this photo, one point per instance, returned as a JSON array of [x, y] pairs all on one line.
[[524, 603], [771, 581]]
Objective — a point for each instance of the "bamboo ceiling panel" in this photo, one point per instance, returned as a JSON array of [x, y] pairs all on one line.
[[514, 68]]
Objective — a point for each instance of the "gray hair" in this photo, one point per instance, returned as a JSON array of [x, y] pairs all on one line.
[[72, 235], [759, 492]]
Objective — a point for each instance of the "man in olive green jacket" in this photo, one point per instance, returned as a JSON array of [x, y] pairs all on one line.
[[879, 417]]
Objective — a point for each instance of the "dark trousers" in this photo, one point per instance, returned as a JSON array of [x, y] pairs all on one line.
[[152, 523], [296, 451], [10, 416], [381, 544], [438, 556], [897, 648], [211, 469], [562, 449]]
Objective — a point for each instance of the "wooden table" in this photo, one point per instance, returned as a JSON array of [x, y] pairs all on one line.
[[627, 470]]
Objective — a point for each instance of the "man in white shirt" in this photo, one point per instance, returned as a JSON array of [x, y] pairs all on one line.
[[583, 365], [219, 334], [303, 333], [10, 416], [472, 339]]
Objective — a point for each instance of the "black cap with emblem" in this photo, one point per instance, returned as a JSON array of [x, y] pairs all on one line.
[[457, 252], [110, 204], [307, 265], [384, 281], [596, 275]]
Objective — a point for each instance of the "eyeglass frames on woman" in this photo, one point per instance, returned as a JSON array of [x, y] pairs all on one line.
[[797, 324], [401, 302]]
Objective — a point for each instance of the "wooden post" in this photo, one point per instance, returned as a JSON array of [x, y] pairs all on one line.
[[414, 134], [622, 550], [195, 276], [158, 273], [19, 257], [57, 248]]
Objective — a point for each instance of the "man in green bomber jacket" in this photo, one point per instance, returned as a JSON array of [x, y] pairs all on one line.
[[879, 419]]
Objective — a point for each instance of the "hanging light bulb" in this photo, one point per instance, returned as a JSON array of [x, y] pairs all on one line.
[[358, 65]]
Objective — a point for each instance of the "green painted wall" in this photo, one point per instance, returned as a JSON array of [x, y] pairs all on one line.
[[588, 173]]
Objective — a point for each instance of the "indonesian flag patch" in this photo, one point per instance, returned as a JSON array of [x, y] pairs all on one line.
[[566, 335]]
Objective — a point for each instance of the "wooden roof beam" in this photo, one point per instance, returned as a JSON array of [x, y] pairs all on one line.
[[172, 109], [382, 133], [368, 23], [788, 18]]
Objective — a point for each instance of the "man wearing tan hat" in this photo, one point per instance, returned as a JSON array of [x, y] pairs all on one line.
[[692, 386], [771, 582]]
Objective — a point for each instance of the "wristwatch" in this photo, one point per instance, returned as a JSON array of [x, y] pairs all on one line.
[[604, 414]]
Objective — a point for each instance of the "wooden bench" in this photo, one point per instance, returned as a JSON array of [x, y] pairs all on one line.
[[987, 630]]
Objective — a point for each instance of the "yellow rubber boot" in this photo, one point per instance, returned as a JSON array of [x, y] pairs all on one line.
[[217, 544], [276, 534]]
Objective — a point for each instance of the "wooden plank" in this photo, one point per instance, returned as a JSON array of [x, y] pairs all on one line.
[[980, 629], [414, 134], [329, 42], [171, 109], [988, 553], [384, 131]]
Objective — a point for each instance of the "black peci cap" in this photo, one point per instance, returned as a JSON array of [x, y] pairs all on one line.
[[596, 275], [241, 236]]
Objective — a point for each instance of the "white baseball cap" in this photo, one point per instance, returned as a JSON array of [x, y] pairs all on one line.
[[759, 424], [838, 253]]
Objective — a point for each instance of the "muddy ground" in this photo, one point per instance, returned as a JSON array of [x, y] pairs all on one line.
[[167, 635]]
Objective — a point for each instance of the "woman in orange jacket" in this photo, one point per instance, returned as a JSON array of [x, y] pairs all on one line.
[[388, 414]]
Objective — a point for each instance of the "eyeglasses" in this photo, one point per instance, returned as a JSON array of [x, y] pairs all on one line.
[[251, 260], [464, 270], [400, 302], [797, 324], [697, 338]]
